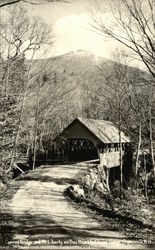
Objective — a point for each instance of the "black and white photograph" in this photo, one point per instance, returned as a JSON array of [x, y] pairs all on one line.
[[77, 124]]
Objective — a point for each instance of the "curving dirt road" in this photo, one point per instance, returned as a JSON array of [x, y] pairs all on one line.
[[43, 219]]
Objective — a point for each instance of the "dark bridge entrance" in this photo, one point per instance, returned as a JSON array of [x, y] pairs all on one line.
[[80, 150]]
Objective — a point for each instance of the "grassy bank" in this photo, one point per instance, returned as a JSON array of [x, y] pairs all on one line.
[[111, 219]]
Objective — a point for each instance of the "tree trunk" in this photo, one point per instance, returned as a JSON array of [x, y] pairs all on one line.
[[34, 154], [107, 179], [42, 134], [4, 106], [21, 114], [36, 127], [138, 151], [121, 168], [145, 181], [120, 152], [151, 141]]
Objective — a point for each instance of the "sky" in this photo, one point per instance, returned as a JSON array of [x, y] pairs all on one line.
[[71, 24]]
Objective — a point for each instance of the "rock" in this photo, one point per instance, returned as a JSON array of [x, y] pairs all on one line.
[[90, 179], [79, 191]]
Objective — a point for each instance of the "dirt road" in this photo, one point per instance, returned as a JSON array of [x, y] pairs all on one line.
[[44, 219]]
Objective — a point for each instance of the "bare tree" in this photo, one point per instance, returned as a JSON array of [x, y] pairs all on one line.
[[117, 101], [20, 35], [36, 122], [133, 26], [49, 106], [125, 96], [35, 2], [113, 96]]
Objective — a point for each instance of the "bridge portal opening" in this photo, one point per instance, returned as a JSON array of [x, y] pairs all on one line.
[[77, 149]]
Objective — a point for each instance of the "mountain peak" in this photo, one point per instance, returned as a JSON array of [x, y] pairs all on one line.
[[80, 52]]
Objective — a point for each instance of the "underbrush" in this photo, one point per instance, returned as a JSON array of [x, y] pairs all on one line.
[[134, 203], [131, 212], [97, 209]]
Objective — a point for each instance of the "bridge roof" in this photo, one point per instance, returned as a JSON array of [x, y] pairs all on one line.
[[103, 131]]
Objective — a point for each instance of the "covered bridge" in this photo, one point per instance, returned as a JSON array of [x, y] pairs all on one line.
[[92, 139]]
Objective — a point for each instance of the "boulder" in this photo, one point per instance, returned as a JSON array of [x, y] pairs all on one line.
[[90, 180], [78, 191]]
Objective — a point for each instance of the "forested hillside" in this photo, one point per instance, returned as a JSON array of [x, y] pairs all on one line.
[[81, 84], [66, 88]]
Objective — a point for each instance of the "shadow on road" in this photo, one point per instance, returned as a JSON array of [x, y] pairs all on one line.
[[41, 227], [6, 228], [33, 226], [44, 178]]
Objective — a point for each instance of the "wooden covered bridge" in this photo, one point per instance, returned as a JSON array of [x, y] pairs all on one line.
[[86, 139]]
